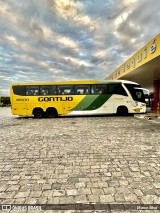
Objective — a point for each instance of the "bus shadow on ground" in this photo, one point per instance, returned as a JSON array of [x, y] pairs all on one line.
[[77, 116]]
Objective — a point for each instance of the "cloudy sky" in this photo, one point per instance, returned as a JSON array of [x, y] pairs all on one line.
[[58, 40]]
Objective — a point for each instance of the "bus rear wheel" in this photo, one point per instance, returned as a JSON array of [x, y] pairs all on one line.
[[51, 113], [122, 111], [38, 113]]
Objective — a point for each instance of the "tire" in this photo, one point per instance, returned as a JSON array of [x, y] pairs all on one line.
[[122, 111], [38, 113], [51, 113]]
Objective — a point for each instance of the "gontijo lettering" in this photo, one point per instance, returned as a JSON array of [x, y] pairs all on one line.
[[47, 99]]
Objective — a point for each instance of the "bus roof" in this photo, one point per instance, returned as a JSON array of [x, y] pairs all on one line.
[[76, 82]]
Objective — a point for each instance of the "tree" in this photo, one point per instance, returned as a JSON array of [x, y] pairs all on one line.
[[5, 100]]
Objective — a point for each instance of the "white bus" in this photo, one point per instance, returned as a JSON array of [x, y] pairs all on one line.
[[87, 97]]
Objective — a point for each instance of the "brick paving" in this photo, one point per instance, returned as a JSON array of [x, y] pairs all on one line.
[[109, 159]]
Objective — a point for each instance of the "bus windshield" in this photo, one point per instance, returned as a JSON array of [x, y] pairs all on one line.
[[136, 92]]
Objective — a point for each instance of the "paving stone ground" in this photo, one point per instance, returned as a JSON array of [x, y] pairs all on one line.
[[67, 160]]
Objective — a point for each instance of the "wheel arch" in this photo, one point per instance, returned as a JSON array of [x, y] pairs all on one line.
[[122, 110], [51, 112], [36, 109]]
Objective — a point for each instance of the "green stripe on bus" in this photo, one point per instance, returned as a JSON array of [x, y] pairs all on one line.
[[91, 102], [100, 100], [85, 103]]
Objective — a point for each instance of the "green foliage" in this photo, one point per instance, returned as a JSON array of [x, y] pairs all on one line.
[[5, 101]]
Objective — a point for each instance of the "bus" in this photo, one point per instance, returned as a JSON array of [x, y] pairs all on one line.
[[85, 97]]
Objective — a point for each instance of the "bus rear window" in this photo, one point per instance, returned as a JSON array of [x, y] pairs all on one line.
[[19, 90]]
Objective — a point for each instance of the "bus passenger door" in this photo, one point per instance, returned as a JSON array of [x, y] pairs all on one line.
[[120, 97], [120, 100]]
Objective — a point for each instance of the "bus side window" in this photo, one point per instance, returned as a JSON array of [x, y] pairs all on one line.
[[47, 90], [60, 91], [27, 91], [116, 89], [82, 89], [72, 90], [99, 89], [32, 90], [44, 90], [19, 90], [85, 91], [53, 90], [66, 90], [93, 89], [78, 90]]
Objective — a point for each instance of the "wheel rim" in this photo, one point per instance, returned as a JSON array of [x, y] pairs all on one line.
[[38, 113], [122, 111], [51, 113]]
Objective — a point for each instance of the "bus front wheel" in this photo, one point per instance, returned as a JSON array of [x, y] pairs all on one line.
[[38, 113], [122, 111], [51, 113]]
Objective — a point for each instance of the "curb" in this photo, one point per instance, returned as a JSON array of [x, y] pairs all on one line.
[[150, 117]]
